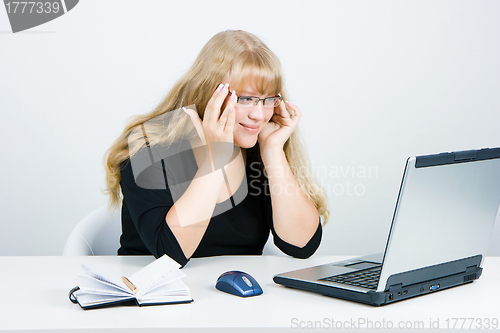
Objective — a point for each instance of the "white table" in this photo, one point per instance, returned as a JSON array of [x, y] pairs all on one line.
[[35, 296]]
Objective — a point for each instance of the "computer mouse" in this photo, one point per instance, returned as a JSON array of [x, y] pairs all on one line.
[[238, 283]]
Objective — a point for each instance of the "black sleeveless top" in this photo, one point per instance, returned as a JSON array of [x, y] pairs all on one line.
[[240, 230]]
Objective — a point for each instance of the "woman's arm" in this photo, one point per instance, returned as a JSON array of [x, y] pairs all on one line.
[[190, 215], [295, 217]]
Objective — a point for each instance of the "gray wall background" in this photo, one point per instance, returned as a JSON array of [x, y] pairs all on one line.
[[377, 81]]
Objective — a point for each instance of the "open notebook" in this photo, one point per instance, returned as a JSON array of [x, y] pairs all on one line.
[[157, 283]]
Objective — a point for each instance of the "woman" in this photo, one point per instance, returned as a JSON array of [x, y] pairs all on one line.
[[240, 170]]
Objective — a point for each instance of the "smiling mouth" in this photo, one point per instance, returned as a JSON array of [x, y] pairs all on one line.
[[250, 128]]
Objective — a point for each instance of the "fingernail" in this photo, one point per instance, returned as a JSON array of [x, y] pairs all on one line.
[[226, 86], [184, 109], [219, 88], [233, 95]]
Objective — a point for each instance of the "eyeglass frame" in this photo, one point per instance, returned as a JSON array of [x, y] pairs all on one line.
[[258, 99]]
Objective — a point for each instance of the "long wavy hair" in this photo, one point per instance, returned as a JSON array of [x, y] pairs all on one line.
[[237, 54]]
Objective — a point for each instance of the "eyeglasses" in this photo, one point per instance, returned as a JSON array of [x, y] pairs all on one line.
[[268, 102]]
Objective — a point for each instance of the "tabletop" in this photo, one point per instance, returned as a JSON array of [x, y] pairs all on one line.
[[35, 296]]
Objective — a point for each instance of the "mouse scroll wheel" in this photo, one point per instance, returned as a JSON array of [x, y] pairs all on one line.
[[247, 281]]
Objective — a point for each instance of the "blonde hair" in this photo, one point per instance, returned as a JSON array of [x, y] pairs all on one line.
[[242, 56]]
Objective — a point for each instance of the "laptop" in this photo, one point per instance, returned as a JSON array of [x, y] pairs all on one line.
[[442, 223]]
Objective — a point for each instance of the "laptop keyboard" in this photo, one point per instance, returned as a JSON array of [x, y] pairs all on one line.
[[367, 278]]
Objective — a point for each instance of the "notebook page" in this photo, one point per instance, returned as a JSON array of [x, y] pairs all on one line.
[[90, 285], [92, 299], [160, 271], [176, 287], [106, 280]]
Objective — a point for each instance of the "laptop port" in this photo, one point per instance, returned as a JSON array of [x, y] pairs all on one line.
[[405, 292], [391, 297], [434, 287]]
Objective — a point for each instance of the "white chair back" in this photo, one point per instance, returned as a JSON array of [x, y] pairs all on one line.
[[98, 233]]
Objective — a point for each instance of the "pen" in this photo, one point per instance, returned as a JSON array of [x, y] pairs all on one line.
[[130, 285]]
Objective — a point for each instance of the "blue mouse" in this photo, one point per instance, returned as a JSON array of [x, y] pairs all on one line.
[[239, 284]]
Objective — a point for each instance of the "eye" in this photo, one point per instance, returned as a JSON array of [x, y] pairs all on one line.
[[272, 101], [245, 100]]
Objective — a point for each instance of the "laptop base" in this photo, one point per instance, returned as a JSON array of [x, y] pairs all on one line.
[[400, 286]]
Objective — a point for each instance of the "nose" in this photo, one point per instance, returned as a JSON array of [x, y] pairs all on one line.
[[257, 112]]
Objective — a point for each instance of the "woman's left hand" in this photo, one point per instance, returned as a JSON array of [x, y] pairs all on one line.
[[278, 130]]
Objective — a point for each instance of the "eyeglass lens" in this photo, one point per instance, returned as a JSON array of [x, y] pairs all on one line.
[[251, 101]]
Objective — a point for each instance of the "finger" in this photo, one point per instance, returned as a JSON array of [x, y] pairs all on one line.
[[282, 111], [195, 119], [221, 122], [281, 115], [295, 111], [278, 120], [232, 100], [214, 104], [230, 119]]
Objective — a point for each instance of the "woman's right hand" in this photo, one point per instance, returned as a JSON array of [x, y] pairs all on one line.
[[216, 128]]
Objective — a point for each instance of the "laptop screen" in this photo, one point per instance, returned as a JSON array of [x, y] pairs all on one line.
[[446, 210]]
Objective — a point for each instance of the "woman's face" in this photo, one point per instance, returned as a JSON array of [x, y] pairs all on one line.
[[249, 121]]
